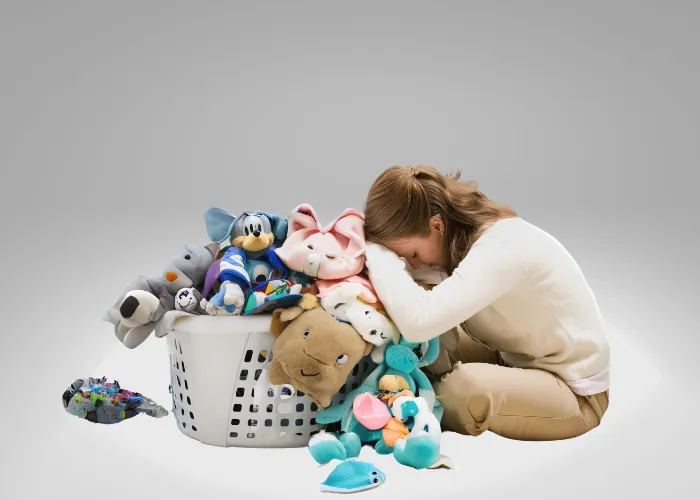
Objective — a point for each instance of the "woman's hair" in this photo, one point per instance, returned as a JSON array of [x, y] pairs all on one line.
[[402, 200]]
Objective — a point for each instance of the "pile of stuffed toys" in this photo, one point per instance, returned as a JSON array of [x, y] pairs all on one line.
[[325, 314]]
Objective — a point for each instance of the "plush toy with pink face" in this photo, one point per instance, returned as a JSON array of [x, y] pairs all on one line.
[[332, 252]]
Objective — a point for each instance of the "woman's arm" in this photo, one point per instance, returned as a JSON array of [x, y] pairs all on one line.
[[493, 266]]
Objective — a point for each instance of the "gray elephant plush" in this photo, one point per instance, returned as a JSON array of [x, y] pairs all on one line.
[[141, 307]]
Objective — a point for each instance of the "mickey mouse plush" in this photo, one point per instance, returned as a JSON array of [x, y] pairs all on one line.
[[249, 259]]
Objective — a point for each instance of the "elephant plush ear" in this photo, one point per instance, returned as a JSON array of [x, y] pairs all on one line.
[[219, 224], [279, 227]]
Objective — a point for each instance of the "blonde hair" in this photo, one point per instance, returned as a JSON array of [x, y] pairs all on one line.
[[402, 200]]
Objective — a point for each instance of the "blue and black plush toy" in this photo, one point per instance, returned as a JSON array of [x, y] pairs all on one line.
[[249, 261]]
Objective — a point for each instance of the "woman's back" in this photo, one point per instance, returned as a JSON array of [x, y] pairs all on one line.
[[550, 318]]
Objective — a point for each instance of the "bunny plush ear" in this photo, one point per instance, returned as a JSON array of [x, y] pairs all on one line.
[[219, 224], [279, 227], [351, 225], [303, 217]]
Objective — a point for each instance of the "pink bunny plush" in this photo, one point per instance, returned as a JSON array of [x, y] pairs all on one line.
[[332, 252]]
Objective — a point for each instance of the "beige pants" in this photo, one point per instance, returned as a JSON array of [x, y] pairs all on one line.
[[479, 393]]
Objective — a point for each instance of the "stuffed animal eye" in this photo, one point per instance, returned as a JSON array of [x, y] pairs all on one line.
[[247, 231], [306, 333], [188, 257], [367, 313], [310, 247], [342, 359]]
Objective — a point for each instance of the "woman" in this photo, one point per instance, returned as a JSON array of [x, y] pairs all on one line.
[[532, 358]]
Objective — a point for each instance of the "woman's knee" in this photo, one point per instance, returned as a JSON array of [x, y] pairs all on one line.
[[466, 398], [466, 380]]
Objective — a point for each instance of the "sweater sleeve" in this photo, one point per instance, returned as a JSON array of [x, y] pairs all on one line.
[[492, 267]]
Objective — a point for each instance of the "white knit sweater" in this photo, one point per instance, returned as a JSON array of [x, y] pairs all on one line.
[[518, 291]]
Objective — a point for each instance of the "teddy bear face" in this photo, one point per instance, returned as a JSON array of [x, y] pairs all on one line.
[[315, 353]]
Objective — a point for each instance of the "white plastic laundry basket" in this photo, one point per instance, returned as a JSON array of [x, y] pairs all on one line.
[[220, 390]]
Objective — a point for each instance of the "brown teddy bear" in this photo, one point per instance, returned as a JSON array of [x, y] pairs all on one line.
[[314, 352]]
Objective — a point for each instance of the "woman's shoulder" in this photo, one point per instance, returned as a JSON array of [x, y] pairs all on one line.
[[517, 233], [511, 227]]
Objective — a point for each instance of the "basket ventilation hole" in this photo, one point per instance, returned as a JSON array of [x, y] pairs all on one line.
[[178, 381], [268, 423], [251, 435], [248, 356], [234, 434], [301, 394], [192, 415], [284, 422], [186, 387], [244, 375], [271, 392], [252, 423], [314, 407], [240, 392], [300, 407], [189, 401], [257, 373], [235, 421], [262, 356], [253, 408], [237, 408], [183, 367], [299, 422], [269, 408], [194, 428]]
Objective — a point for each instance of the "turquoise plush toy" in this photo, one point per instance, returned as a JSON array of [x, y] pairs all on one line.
[[404, 359]]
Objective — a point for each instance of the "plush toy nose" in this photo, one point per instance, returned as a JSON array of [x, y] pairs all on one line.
[[256, 233], [170, 276]]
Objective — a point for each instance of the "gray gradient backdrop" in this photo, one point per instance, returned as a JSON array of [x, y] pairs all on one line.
[[120, 122]]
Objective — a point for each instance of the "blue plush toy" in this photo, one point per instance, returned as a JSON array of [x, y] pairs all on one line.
[[405, 360], [250, 258]]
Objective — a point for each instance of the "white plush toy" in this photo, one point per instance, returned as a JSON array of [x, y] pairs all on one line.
[[424, 421], [375, 327], [188, 300]]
